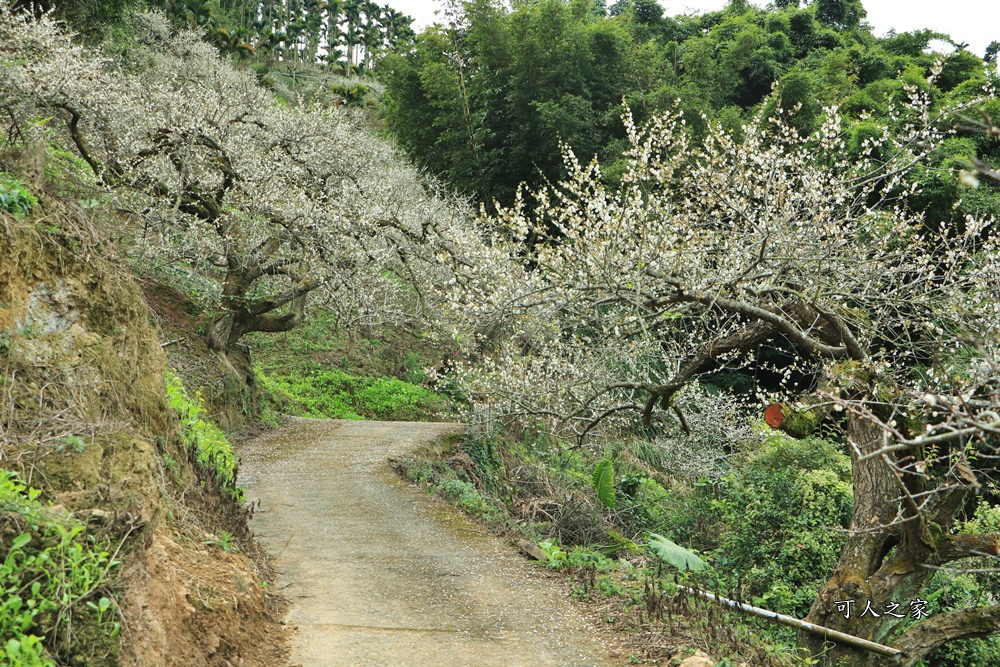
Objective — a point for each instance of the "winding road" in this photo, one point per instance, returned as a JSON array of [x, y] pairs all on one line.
[[379, 573]]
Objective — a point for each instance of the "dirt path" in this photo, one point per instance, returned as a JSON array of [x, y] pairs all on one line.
[[379, 573]]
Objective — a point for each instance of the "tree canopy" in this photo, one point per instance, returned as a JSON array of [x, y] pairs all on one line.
[[277, 204], [485, 100]]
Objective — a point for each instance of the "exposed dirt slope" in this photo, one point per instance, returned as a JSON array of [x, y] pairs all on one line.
[[80, 363], [379, 573]]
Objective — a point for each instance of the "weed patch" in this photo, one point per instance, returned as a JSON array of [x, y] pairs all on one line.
[[52, 583], [208, 444], [14, 197], [334, 394]]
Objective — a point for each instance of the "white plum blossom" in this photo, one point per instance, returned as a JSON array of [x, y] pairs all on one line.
[[279, 203]]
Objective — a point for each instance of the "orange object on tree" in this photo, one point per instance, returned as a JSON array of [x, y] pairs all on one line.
[[774, 415]]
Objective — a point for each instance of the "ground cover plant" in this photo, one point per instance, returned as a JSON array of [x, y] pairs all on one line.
[[208, 444], [333, 394], [323, 370], [54, 580]]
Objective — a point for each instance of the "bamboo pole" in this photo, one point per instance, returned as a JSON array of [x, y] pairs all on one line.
[[826, 633]]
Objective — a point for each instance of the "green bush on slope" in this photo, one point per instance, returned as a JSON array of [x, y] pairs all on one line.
[[14, 197], [208, 443]]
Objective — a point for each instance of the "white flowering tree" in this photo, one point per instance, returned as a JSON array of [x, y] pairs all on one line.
[[278, 203], [709, 251]]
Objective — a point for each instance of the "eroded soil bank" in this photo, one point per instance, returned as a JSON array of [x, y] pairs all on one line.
[[378, 572]]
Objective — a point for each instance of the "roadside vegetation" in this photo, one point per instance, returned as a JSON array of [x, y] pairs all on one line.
[[322, 370], [717, 293], [770, 523], [54, 582]]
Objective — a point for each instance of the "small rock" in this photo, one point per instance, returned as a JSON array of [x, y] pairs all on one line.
[[699, 659], [532, 550]]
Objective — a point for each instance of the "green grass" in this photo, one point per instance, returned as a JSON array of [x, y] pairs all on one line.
[[334, 394], [326, 371]]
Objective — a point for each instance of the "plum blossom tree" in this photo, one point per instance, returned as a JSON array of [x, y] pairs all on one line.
[[279, 204], [709, 251]]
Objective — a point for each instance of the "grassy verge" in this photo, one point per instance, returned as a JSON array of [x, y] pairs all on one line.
[[334, 394], [208, 444], [320, 370]]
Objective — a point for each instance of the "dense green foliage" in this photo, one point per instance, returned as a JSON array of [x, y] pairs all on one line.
[[208, 443], [343, 34], [487, 105], [346, 35], [781, 517], [960, 589], [322, 370], [51, 575], [14, 197], [487, 100], [334, 394], [93, 19]]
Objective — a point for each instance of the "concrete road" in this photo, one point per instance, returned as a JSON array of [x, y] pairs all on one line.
[[379, 573]]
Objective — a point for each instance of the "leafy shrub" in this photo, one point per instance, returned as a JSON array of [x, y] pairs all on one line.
[[353, 95], [14, 197], [207, 442], [468, 498], [415, 373], [957, 590], [642, 503], [771, 526], [557, 558], [484, 450], [783, 511], [46, 572]]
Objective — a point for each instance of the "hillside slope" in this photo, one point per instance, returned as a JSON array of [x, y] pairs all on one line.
[[86, 421]]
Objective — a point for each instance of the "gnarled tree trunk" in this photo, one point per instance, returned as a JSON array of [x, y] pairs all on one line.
[[241, 314], [889, 558]]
